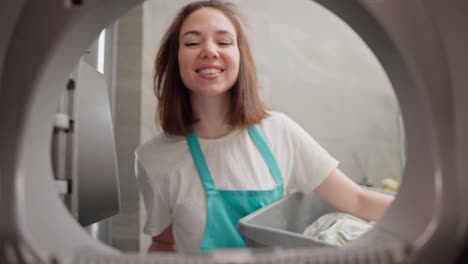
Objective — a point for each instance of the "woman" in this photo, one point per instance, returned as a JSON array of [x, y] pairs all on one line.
[[222, 155]]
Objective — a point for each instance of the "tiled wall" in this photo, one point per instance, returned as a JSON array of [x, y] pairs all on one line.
[[125, 230]]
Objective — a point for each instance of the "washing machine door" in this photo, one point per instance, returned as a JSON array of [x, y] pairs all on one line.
[[421, 45]]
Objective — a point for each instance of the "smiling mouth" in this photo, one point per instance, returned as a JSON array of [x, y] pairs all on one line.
[[209, 71]]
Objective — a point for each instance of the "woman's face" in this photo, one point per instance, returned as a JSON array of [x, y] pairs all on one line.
[[208, 52]]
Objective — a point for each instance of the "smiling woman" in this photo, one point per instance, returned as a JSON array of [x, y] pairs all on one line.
[[222, 155]]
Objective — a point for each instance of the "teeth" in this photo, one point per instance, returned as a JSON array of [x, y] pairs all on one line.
[[210, 71]]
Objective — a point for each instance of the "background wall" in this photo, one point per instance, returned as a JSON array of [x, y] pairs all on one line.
[[311, 66], [128, 57]]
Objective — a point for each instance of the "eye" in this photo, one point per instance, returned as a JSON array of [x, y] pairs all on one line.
[[225, 43], [190, 44]]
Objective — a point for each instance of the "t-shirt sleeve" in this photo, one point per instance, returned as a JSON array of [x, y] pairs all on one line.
[[158, 215], [311, 163]]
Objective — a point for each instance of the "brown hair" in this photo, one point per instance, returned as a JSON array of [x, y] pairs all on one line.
[[174, 108]]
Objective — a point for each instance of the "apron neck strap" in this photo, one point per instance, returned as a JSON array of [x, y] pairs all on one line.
[[200, 161], [266, 153]]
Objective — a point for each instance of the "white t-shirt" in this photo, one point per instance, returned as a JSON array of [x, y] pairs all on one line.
[[172, 190]]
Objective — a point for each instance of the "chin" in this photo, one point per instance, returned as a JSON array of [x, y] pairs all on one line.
[[210, 92]]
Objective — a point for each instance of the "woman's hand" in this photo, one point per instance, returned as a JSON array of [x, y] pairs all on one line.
[[348, 197], [163, 242]]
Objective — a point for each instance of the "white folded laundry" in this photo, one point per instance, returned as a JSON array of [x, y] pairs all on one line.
[[337, 229]]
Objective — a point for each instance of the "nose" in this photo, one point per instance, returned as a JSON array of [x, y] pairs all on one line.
[[209, 50]]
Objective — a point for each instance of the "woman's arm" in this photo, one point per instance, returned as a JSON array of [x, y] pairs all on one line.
[[163, 242], [346, 196]]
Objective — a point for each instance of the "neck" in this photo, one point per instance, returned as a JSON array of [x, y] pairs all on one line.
[[211, 112]]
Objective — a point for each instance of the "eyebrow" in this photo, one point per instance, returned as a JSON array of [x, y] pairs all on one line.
[[198, 33]]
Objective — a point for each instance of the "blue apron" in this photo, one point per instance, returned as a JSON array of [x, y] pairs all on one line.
[[226, 207]]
